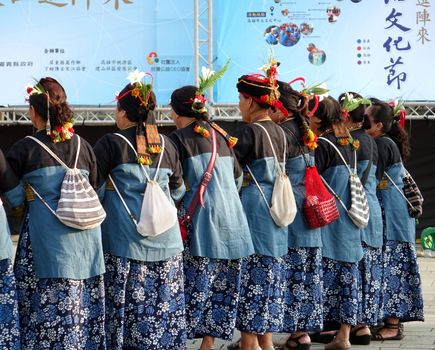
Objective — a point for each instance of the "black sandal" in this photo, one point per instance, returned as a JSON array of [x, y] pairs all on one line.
[[399, 336], [299, 346], [323, 338], [363, 339]]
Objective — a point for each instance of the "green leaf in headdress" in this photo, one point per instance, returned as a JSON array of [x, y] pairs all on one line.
[[209, 77]]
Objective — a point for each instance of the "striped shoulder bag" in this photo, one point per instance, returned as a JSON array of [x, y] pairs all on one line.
[[359, 211], [78, 206]]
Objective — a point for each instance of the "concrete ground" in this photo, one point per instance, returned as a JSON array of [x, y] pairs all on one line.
[[418, 335]]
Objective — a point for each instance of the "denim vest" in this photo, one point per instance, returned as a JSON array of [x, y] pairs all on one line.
[[341, 238], [300, 235], [120, 236], [399, 225], [59, 251], [220, 229], [268, 239]]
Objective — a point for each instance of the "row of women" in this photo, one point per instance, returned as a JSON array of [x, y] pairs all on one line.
[[111, 288]]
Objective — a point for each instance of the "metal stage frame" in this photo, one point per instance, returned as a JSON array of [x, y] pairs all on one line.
[[203, 56], [220, 112]]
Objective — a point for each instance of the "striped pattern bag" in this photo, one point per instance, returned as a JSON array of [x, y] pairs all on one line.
[[78, 206], [359, 211], [411, 193]]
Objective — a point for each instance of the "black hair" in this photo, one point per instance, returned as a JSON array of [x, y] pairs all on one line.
[[133, 106], [294, 102], [52, 102], [328, 111], [182, 102], [383, 112]]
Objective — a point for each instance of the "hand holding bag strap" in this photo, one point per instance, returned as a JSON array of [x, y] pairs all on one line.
[[199, 194], [369, 166]]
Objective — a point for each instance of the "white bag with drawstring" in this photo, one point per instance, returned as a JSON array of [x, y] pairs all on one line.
[[283, 204], [157, 214]]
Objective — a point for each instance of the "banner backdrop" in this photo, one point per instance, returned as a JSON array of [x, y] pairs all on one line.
[[381, 48], [91, 45]]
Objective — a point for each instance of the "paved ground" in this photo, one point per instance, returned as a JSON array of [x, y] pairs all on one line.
[[418, 335]]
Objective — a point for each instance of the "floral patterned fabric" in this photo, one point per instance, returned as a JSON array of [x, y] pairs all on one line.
[[401, 290], [262, 294], [370, 282], [57, 313], [212, 288], [9, 324], [340, 291], [303, 306], [145, 304]]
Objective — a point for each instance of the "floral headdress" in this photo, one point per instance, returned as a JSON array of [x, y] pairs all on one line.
[[147, 142], [317, 93], [399, 111], [270, 69], [59, 133], [350, 102], [207, 79]]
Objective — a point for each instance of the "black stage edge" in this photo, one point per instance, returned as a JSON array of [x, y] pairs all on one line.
[[421, 165]]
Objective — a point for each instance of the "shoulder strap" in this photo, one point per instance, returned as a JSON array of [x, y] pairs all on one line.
[[341, 156], [398, 189], [49, 151], [199, 194], [303, 152], [135, 153], [258, 185], [123, 201], [271, 145], [369, 166], [334, 194]]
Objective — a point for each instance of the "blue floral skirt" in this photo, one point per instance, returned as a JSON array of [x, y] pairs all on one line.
[[340, 292], [57, 313], [145, 304], [9, 324], [212, 288], [303, 303], [370, 283], [262, 294], [401, 290]]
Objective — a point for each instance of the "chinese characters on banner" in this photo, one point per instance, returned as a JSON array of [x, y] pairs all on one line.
[[423, 17], [73, 2], [397, 45]]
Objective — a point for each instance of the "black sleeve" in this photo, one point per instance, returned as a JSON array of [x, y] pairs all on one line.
[[16, 158], [245, 144], [176, 141], [385, 156], [176, 179], [103, 153], [8, 179], [322, 156], [93, 167]]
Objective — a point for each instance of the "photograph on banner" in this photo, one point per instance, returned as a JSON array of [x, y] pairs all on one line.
[[382, 50], [91, 46]]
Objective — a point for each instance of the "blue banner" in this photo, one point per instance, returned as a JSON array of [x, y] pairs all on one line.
[[380, 48]]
